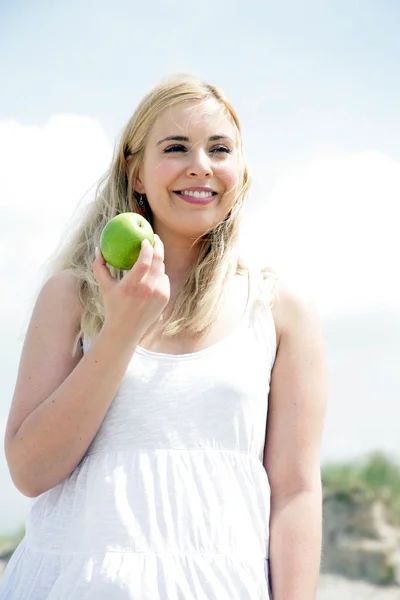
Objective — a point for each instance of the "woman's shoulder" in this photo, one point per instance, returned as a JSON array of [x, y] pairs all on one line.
[[62, 287], [290, 301], [65, 278]]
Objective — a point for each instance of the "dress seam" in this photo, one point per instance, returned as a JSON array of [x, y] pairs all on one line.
[[151, 449], [139, 552]]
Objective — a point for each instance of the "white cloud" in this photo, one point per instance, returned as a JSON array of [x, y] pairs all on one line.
[[331, 227], [45, 173]]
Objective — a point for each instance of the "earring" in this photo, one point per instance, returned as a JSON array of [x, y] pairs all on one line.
[[142, 206]]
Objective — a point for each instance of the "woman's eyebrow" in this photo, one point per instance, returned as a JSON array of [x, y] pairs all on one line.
[[182, 138]]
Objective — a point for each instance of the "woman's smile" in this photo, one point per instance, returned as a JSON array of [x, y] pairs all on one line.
[[197, 195]]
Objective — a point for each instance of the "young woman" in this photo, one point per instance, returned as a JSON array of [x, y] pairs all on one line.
[[167, 420]]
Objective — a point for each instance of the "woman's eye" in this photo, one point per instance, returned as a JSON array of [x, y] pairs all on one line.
[[175, 148], [220, 149], [181, 148]]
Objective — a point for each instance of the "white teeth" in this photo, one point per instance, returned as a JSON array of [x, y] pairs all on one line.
[[196, 194]]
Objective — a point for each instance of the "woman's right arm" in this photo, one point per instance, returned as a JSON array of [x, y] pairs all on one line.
[[60, 400]]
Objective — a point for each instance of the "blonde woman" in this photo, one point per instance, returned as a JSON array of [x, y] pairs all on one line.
[[167, 420]]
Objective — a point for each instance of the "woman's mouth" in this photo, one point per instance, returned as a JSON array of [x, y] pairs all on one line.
[[196, 196]]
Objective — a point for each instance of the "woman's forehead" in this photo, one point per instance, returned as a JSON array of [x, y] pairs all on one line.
[[193, 119]]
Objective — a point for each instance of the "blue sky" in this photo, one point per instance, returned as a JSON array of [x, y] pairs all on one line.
[[308, 74], [317, 89]]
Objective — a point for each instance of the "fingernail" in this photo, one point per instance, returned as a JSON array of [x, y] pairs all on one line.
[[96, 251]]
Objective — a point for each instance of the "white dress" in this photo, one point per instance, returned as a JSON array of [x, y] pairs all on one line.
[[171, 500]]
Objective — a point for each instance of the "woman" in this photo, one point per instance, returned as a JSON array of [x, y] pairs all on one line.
[[168, 420]]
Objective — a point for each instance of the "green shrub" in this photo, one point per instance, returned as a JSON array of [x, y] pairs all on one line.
[[377, 476]]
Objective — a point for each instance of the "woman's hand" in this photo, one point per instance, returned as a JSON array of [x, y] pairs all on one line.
[[135, 302]]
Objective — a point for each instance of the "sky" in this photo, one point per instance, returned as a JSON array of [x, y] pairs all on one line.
[[317, 91]]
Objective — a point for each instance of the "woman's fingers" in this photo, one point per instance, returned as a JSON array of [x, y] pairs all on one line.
[[150, 262], [101, 272], [144, 288], [143, 263], [157, 266]]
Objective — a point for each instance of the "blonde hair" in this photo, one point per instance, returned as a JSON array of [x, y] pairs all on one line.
[[201, 293]]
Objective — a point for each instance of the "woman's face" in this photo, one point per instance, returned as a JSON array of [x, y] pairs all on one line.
[[191, 169]]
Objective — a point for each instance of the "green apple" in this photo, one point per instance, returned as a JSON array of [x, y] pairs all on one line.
[[121, 239]]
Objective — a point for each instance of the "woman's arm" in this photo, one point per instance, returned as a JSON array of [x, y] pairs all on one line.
[[60, 400], [296, 414]]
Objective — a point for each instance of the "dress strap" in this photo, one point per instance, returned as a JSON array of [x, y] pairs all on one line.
[[261, 311]]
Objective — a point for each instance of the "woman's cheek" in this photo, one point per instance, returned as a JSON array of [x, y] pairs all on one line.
[[229, 174], [163, 172], [230, 182]]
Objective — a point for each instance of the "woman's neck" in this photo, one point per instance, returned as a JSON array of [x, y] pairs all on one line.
[[179, 257]]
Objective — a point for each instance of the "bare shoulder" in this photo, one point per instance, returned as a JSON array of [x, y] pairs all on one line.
[[47, 357], [57, 305], [57, 300], [293, 309], [63, 283]]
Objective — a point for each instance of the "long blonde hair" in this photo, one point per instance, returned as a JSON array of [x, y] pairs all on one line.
[[201, 293]]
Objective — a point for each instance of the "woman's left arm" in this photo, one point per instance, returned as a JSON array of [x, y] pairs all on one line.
[[296, 413]]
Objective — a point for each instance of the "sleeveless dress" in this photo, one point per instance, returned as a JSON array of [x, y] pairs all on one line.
[[171, 500]]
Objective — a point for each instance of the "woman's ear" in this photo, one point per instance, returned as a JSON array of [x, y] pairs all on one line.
[[137, 185]]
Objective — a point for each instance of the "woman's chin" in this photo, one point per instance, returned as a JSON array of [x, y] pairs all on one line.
[[191, 228], [198, 230]]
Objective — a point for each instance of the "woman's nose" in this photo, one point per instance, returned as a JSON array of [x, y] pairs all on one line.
[[200, 165]]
